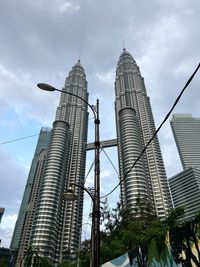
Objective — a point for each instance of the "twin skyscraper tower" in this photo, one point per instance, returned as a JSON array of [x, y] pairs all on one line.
[[46, 221]]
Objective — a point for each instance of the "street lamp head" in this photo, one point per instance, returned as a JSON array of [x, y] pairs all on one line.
[[69, 195], [46, 87]]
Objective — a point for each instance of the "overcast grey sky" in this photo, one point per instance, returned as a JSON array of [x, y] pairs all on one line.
[[41, 40]]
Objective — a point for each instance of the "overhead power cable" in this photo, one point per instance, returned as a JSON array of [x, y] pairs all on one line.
[[91, 166], [156, 132], [110, 160], [18, 139]]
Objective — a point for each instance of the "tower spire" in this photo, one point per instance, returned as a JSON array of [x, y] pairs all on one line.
[[123, 45], [79, 56]]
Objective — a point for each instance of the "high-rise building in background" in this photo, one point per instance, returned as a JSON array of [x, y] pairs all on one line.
[[185, 186], [135, 127], [57, 224], [1, 213], [24, 221], [185, 190], [186, 130]]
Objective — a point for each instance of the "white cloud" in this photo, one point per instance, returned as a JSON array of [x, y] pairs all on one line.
[[107, 77], [24, 98], [106, 173], [63, 7], [164, 36], [185, 67]]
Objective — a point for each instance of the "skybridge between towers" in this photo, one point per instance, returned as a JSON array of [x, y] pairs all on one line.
[[104, 144]]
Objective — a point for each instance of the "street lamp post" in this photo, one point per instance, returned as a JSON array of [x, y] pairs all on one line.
[[95, 248], [96, 206], [70, 195]]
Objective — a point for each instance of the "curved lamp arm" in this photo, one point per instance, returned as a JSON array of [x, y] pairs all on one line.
[[48, 87]]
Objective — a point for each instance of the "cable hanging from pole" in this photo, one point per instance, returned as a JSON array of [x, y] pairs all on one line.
[[18, 139]]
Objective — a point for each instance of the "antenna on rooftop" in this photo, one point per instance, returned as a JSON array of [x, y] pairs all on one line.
[[124, 45], [79, 55]]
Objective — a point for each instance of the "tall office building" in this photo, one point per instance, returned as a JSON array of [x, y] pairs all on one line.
[[23, 224], [1, 213], [185, 186], [135, 127], [57, 224], [185, 190], [186, 130]]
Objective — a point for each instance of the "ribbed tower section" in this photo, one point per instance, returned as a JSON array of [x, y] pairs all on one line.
[[47, 223], [31, 208], [131, 147], [148, 178]]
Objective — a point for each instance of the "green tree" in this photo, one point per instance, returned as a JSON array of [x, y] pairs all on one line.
[[84, 255], [32, 258], [184, 238], [4, 262], [43, 262], [67, 264], [125, 232], [145, 237]]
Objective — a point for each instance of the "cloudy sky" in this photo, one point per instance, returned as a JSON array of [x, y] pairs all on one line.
[[41, 40]]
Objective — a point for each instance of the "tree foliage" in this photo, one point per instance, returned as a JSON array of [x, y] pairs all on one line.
[[4, 262], [132, 233], [184, 238], [32, 258], [146, 238]]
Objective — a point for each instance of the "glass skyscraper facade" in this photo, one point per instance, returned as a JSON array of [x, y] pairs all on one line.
[[186, 130], [1, 213], [185, 186], [185, 190]]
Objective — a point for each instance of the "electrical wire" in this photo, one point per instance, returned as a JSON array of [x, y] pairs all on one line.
[[91, 167], [156, 132], [90, 210], [18, 139], [22, 138], [110, 160]]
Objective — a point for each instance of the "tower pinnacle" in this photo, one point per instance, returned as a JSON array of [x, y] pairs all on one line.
[[124, 49]]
